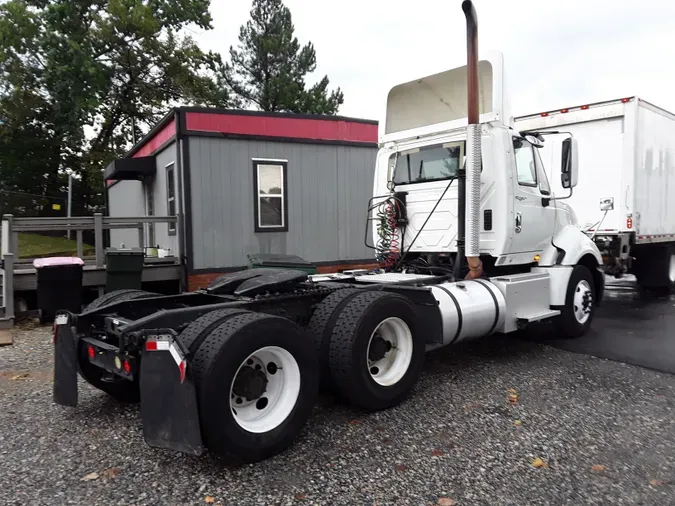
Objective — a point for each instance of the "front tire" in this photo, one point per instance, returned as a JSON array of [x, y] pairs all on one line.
[[376, 350], [257, 380], [577, 314]]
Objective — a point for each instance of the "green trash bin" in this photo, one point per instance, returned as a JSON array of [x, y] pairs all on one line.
[[124, 268]]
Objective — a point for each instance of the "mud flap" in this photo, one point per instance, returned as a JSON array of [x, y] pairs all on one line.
[[168, 405], [65, 361]]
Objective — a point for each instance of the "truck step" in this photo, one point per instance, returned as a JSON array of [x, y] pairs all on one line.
[[523, 320]]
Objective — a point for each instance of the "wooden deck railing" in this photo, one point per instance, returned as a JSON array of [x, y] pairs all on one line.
[[12, 226]]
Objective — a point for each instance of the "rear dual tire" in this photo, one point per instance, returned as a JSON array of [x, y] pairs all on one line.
[[257, 380], [370, 346]]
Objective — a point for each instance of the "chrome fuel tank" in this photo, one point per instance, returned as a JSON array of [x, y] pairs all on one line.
[[469, 309]]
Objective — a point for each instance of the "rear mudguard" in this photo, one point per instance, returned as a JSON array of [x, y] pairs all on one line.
[[65, 360], [169, 400], [169, 408]]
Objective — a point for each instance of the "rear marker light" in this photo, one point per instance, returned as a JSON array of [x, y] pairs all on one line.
[[564, 110], [167, 344], [624, 100], [584, 107], [181, 369], [91, 351], [544, 114]]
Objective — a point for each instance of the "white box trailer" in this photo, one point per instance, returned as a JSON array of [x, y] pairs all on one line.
[[625, 195]]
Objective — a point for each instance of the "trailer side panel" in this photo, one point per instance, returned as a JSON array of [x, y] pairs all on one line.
[[654, 175]]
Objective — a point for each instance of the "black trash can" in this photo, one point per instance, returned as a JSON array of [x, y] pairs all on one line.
[[124, 268], [59, 286]]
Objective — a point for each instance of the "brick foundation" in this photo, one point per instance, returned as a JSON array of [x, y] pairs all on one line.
[[197, 281]]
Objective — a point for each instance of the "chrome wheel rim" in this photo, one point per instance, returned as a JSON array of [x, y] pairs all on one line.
[[265, 389], [583, 301], [389, 351]]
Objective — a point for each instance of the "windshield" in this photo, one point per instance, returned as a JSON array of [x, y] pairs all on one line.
[[429, 163]]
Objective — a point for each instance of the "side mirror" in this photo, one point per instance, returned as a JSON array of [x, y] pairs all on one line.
[[569, 170]]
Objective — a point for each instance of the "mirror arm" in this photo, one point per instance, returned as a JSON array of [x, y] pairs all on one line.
[[563, 198]]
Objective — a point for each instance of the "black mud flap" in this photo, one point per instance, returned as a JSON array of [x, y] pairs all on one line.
[[65, 361], [169, 406]]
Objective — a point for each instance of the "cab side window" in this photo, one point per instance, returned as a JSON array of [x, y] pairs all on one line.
[[544, 187], [525, 164]]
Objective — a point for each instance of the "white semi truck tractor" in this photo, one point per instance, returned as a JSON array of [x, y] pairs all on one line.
[[471, 242]]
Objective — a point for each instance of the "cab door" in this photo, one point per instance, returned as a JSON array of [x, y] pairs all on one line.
[[534, 215]]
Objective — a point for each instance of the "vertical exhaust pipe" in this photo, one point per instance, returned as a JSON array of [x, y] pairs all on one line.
[[470, 190]]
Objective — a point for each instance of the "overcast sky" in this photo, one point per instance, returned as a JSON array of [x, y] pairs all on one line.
[[558, 52]]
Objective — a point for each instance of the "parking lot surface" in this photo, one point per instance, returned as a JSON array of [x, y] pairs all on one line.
[[501, 421]]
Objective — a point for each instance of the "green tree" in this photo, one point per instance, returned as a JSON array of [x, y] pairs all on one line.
[[81, 79], [269, 67]]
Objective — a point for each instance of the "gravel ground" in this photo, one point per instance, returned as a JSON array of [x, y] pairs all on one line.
[[604, 432]]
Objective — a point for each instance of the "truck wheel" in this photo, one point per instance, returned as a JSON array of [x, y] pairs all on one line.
[[655, 267], [117, 296], [321, 328], [376, 352], [257, 380], [194, 334], [577, 314]]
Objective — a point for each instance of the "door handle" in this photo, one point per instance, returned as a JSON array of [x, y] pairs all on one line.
[[519, 222]]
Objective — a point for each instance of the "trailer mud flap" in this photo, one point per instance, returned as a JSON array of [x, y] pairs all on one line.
[[169, 401], [65, 362]]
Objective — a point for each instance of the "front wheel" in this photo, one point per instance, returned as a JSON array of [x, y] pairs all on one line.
[[577, 314]]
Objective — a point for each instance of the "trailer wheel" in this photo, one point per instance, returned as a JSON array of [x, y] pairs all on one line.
[[655, 267], [376, 351], [577, 314], [321, 327], [257, 380], [117, 296]]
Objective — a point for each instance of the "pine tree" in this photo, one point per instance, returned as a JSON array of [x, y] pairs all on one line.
[[269, 67]]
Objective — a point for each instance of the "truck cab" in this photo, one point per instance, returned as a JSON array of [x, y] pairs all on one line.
[[523, 224]]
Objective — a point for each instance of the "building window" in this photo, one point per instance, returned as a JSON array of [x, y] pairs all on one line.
[[171, 196], [271, 195]]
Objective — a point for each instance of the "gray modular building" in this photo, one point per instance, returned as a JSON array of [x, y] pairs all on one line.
[[244, 182]]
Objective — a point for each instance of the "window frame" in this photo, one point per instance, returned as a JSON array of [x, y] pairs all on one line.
[[283, 164], [391, 171], [535, 184], [170, 171]]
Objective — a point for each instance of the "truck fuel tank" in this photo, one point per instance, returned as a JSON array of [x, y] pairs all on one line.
[[469, 309]]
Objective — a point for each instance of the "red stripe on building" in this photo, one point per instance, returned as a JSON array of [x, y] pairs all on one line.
[[270, 126], [156, 142]]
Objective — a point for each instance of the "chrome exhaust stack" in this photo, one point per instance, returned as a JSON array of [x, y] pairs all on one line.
[[469, 198]]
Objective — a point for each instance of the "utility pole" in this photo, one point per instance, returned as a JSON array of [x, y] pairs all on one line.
[[70, 197]]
